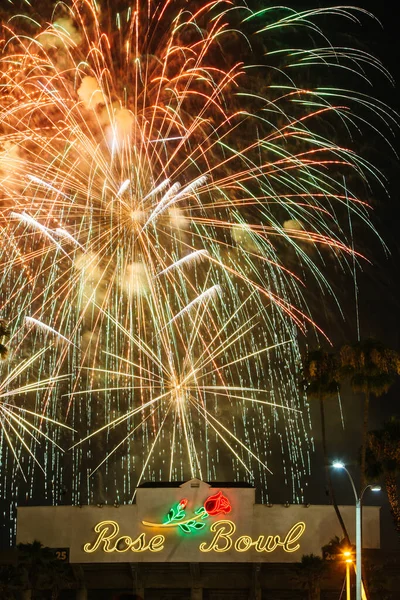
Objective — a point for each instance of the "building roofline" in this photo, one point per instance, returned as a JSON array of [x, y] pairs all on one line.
[[213, 484]]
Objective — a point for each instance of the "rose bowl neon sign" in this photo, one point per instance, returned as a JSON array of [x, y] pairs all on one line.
[[214, 505], [109, 539]]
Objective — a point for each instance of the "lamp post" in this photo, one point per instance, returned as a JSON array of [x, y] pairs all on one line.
[[358, 498], [349, 560]]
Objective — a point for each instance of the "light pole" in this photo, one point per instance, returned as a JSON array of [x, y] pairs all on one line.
[[374, 488], [349, 560]]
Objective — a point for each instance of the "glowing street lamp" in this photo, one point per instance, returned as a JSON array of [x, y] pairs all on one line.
[[348, 561], [374, 488]]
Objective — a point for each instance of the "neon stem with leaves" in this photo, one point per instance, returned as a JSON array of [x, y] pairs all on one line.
[[176, 516]]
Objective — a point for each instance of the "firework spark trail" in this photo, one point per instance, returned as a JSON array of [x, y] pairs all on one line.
[[182, 384], [193, 256], [152, 188], [33, 321], [15, 424]]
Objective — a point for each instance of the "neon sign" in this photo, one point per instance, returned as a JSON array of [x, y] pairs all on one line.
[[110, 540], [223, 539], [214, 505]]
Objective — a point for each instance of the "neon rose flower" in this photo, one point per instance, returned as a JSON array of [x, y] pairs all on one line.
[[176, 517], [216, 504], [182, 504]]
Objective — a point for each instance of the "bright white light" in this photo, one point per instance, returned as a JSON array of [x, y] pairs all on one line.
[[376, 488], [123, 187], [338, 465]]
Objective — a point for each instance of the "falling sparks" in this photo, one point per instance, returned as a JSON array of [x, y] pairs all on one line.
[[153, 184], [22, 428]]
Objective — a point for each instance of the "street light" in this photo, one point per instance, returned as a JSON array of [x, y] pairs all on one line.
[[373, 488], [348, 562]]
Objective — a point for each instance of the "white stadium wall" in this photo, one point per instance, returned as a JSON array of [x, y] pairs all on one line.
[[211, 525]]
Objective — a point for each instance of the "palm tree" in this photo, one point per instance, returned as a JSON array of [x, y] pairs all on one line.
[[336, 547], [4, 333], [35, 560], [377, 579], [321, 378], [310, 572], [58, 577], [9, 583], [383, 459], [371, 369]]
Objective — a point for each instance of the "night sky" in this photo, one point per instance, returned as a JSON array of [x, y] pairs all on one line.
[[379, 303]]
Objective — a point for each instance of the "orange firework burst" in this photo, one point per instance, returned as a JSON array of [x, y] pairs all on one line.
[[153, 181]]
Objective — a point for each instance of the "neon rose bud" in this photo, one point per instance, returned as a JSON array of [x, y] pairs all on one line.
[[216, 504], [183, 503]]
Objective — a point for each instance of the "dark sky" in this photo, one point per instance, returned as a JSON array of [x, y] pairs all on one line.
[[379, 303]]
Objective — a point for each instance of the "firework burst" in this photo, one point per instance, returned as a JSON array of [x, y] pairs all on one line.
[[152, 186], [18, 424]]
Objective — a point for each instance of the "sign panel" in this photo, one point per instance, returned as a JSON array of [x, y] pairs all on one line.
[[61, 554], [191, 523]]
